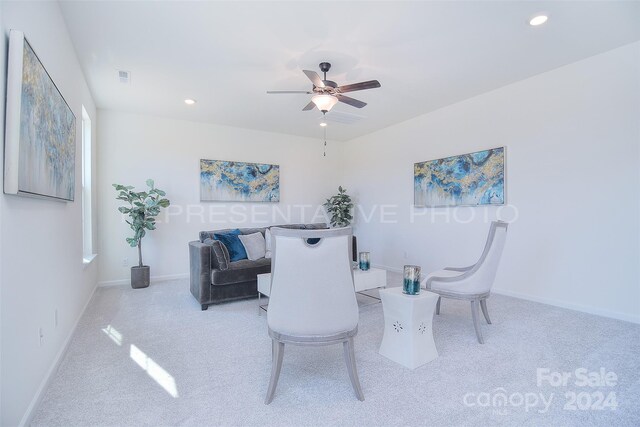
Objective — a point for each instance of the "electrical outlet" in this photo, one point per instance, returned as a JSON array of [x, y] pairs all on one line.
[[55, 318], [406, 255], [125, 262], [40, 335]]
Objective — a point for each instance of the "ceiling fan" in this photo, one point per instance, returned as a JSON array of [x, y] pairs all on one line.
[[327, 93]]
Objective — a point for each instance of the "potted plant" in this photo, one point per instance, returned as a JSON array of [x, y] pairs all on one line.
[[339, 207], [143, 208]]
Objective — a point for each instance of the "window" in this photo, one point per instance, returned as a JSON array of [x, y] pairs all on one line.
[[87, 223]]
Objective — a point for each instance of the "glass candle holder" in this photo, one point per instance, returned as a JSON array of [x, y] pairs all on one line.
[[364, 261], [411, 282]]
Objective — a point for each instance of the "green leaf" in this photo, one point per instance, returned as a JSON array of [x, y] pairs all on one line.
[[339, 208], [142, 210]]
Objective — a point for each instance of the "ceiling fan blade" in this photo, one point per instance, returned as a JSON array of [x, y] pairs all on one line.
[[371, 84], [309, 106], [289, 91], [351, 101], [314, 77]]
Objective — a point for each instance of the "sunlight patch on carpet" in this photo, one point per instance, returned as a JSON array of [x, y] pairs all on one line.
[[113, 333], [155, 371]]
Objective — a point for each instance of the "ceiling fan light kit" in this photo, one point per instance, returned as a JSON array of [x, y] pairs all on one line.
[[324, 102], [327, 93]]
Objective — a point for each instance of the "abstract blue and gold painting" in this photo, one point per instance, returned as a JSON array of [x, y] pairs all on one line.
[[41, 129], [472, 179], [224, 181]]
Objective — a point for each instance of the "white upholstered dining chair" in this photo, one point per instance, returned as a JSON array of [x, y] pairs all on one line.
[[312, 299], [472, 283]]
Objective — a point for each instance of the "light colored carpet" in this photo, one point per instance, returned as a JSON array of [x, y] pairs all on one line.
[[151, 357]]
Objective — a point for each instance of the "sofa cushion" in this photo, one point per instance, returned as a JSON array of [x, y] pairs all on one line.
[[233, 244], [254, 244], [219, 254], [209, 234], [267, 243], [241, 271]]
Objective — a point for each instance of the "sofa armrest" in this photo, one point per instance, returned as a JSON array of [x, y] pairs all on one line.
[[200, 271], [219, 254]]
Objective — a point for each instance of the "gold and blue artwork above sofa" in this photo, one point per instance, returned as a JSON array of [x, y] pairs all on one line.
[[224, 181], [472, 179]]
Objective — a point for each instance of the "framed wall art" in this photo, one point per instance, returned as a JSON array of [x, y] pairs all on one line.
[[40, 135], [472, 179], [224, 181]]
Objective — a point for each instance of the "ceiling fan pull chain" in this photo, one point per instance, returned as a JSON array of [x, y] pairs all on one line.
[[325, 142]]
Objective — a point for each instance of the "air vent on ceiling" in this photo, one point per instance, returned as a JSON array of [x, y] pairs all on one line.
[[124, 76], [343, 118]]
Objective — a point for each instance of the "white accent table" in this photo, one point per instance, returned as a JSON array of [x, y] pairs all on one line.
[[408, 334], [264, 288], [370, 279], [362, 281]]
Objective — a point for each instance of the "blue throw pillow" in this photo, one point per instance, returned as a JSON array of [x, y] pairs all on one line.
[[233, 244]]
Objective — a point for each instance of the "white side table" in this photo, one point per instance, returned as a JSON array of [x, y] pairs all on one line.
[[264, 288], [408, 334], [362, 281], [370, 279]]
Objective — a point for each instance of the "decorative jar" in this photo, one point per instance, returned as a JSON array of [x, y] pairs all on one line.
[[364, 261], [411, 282]]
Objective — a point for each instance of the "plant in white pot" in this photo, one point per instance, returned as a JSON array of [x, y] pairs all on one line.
[[339, 207], [143, 208]]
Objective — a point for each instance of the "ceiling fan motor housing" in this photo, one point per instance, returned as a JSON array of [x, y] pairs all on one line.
[[330, 83]]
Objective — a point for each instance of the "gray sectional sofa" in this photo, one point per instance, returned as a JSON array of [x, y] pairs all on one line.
[[214, 280]]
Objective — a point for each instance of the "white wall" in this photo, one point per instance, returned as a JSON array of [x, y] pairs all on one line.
[[573, 174], [136, 147], [41, 240]]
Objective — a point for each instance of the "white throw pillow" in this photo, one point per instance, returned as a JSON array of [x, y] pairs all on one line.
[[254, 244], [267, 236]]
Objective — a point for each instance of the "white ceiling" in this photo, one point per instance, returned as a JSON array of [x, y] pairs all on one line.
[[426, 54]]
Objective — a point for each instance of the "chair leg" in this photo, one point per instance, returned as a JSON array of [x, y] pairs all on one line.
[[277, 353], [476, 325], [350, 359], [483, 306], [438, 305]]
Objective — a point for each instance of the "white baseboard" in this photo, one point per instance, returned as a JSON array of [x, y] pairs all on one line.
[[576, 307], [164, 278], [27, 418]]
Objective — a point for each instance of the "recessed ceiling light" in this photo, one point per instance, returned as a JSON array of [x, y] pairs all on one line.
[[323, 124], [538, 20], [189, 101]]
